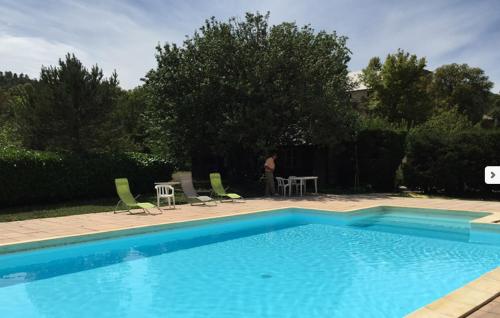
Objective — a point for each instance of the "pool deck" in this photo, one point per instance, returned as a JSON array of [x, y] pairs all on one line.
[[491, 310], [460, 303]]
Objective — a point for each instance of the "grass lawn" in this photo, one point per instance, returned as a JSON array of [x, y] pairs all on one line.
[[70, 208]]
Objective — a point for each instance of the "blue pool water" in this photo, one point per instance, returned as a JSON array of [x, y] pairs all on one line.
[[280, 264]]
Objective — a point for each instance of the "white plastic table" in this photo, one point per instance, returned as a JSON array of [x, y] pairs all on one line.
[[170, 183], [303, 182]]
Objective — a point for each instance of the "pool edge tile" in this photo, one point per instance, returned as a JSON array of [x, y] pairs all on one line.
[[464, 300]]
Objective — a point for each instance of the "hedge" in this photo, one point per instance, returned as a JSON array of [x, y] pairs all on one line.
[[453, 163], [29, 177]]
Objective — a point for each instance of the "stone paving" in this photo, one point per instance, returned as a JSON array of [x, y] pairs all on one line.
[[47, 228]]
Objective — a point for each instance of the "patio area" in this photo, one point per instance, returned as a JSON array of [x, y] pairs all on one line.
[[75, 225]]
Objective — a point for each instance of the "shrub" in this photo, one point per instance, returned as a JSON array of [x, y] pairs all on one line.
[[29, 177], [451, 162]]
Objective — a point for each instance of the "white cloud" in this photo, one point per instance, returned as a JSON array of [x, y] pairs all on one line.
[[27, 54], [112, 35]]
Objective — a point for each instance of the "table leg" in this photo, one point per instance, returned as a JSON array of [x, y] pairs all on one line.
[[315, 186]]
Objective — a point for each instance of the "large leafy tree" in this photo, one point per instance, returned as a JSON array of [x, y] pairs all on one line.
[[399, 88], [68, 109], [239, 88], [129, 115], [494, 111], [464, 87]]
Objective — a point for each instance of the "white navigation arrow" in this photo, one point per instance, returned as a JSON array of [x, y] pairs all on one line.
[[492, 175]]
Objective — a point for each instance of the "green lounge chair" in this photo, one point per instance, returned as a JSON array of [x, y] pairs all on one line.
[[216, 182], [126, 197]]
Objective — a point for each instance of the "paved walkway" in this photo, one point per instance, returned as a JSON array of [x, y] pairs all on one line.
[[47, 228]]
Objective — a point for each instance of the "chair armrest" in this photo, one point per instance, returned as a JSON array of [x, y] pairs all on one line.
[[171, 190]]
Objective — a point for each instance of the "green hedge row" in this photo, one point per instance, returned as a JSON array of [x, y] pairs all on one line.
[[453, 163], [29, 177]]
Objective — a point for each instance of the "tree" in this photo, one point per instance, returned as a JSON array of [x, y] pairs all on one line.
[[446, 122], [8, 136], [129, 116], [495, 108], [9, 83], [398, 88], [68, 109], [464, 87], [9, 79], [240, 88]]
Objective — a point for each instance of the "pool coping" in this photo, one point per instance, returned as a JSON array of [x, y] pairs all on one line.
[[465, 300], [459, 303]]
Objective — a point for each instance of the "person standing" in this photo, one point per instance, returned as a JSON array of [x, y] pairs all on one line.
[[269, 167]]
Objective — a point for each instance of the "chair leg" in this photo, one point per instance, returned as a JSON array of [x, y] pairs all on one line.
[[116, 207]]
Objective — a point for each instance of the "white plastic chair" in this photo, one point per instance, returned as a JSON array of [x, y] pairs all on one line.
[[294, 182], [283, 185], [165, 191]]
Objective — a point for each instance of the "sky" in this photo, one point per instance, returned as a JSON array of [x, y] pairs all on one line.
[[122, 35]]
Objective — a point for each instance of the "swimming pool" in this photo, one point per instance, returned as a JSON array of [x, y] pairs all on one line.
[[284, 263]]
